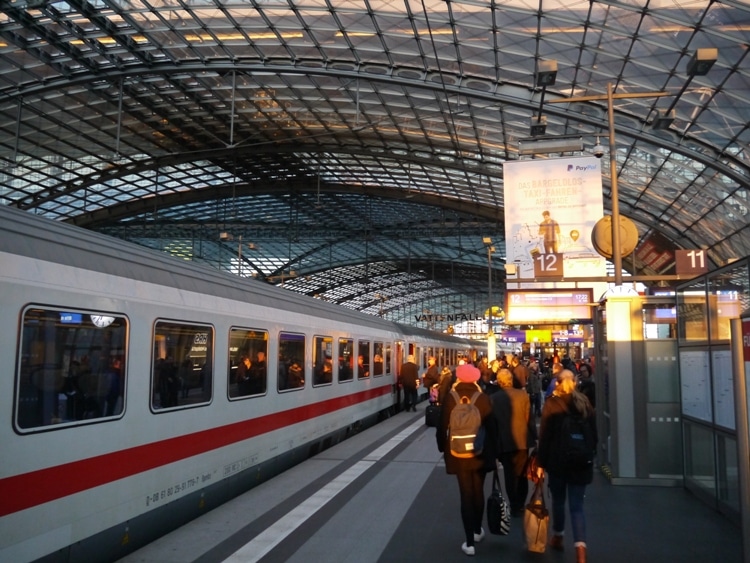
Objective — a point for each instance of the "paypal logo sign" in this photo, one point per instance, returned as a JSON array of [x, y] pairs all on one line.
[[576, 168]]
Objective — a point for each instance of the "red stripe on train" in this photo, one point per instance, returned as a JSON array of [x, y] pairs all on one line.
[[37, 487]]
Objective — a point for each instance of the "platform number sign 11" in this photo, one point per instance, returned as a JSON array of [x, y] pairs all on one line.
[[548, 265], [690, 262]]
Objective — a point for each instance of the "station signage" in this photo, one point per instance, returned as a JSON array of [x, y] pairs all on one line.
[[541, 335], [531, 306], [456, 317], [690, 262]]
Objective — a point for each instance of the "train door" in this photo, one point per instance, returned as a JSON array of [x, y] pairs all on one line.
[[398, 360], [416, 351]]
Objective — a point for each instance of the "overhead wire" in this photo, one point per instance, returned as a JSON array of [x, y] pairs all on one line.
[[452, 132]]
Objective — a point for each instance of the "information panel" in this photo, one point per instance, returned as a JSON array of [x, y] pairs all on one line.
[[695, 384], [530, 306], [723, 380]]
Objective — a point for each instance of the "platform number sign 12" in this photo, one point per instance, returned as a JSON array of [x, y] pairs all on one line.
[[548, 265], [690, 262]]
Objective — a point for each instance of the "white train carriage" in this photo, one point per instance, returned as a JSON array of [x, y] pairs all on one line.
[[140, 390]]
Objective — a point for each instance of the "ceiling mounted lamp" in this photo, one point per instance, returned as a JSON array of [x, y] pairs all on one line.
[[547, 145], [664, 120], [702, 61], [538, 125], [546, 73]]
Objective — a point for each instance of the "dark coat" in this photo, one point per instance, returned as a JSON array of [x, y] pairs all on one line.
[[409, 375], [515, 425], [520, 375], [548, 453], [483, 462], [588, 388], [431, 376], [444, 386]]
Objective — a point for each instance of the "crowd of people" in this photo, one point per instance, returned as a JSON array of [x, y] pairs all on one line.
[[516, 393]]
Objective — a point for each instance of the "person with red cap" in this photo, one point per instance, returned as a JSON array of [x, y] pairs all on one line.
[[469, 471]]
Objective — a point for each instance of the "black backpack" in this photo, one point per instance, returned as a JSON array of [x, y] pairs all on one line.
[[577, 445]]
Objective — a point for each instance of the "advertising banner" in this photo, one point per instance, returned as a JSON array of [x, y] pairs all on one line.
[[551, 207]]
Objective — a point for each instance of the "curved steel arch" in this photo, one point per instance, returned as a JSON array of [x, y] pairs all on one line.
[[504, 94]]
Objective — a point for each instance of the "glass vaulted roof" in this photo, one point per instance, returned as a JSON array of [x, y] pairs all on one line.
[[353, 149]]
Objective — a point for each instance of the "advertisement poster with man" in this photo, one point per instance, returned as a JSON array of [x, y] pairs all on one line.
[[551, 207]]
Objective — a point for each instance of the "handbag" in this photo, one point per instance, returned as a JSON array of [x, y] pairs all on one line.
[[498, 511], [536, 520], [532, 466]]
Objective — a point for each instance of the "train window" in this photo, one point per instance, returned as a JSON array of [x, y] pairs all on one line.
[[377, 359], [71, 367], [291, 361], [346, 359], [388, 358], [247, 373], [183, 360], [323, 360], [363, 359]]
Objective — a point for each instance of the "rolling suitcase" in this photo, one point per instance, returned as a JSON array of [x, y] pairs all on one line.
[[431, 414]]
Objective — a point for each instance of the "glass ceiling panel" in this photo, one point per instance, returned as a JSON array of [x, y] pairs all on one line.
[[360, 120]]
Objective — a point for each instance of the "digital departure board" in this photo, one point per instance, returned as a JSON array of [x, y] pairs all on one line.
[[547, 305]]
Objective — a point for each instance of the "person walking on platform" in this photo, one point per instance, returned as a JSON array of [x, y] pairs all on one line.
[[586, 383], [469, 471], [556, 369], [567, 414], [431, 378], [447, 379], [409, 379], [516, 432], [534, 388], [520, 373]]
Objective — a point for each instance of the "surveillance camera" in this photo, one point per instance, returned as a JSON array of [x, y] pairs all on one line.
[[598, 151], [223, 236]]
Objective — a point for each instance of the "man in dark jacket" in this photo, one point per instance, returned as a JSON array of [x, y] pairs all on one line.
[[516, 431], [409, 379], [520, 373]]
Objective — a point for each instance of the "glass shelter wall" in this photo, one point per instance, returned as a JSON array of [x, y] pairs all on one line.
[[638, 420], [705, 307]]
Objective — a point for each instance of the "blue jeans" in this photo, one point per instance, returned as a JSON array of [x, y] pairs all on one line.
[[559, 489]]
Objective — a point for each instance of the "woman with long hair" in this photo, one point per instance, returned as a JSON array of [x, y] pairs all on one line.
[[567, 478]]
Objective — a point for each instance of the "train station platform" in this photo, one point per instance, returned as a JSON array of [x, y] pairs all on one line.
[[383, 496]]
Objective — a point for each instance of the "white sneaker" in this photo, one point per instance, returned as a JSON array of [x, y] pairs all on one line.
[[467, 549], [480, 536]]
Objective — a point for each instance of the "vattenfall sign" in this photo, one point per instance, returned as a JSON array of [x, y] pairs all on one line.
[[452, 318]]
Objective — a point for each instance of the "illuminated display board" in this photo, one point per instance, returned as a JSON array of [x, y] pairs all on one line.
[[547, 305]]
